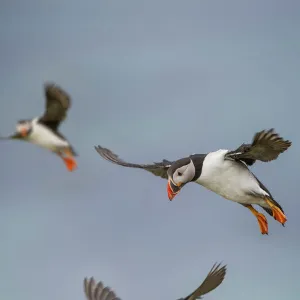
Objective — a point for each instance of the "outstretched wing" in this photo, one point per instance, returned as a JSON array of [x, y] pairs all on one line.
[[214, 278], [10, 137], [57, 104], [97, 291], [14, 136], [266, 146], [158, 169]]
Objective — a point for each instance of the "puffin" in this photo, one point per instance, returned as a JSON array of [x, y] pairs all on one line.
[[97, 291], [223, 172], [43, 131]]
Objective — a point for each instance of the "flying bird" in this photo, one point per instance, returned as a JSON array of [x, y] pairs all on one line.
[[97, 291], [43, 131], [224, 172]]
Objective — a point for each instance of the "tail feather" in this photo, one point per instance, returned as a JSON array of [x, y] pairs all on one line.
[[270, 197], [73, 151], [268, 210]]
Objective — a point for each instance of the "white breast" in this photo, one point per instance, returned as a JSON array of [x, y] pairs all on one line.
[[228, 178], [44, 137]]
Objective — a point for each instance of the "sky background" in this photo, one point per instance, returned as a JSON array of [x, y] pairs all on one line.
[[149, 80]]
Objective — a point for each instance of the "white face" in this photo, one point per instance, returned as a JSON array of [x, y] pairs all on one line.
[[184, 174], [23, 127]]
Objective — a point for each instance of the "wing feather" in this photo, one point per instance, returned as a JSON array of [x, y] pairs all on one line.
[[104, 294], [58, 102], [158, 168], [97, 291], [266, 146], [111, 295], [214, 278]]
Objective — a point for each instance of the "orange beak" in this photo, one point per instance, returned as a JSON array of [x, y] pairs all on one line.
[[172, 190], [23, 132]]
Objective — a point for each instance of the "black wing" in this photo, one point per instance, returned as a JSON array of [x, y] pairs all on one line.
[[158, 169], [214, 278], [57, 104], [97, 291], [266, 146]]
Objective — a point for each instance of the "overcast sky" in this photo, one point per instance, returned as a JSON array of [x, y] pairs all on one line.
[[149, 80]]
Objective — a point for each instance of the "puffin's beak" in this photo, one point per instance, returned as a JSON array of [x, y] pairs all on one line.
[[24, 132], [172, 189]]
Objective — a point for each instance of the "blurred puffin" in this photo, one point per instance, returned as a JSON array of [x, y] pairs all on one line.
[[43, 131], [224, 172], [97, 291]]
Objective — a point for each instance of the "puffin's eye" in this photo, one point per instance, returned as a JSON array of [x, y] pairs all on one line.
[[179, 173]]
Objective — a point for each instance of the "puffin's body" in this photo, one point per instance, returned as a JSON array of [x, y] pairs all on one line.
[[43, 136], [230, 179], [43, 131], [97, 291], [224, 172]]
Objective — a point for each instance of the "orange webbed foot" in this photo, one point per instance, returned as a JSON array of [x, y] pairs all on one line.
[[278, 214], [70, 163], [68, 158], [263, 223], [261, 219]]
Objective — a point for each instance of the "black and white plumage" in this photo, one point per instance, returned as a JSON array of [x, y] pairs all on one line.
[[97, 291], [43, 131], [224, 172], [266, 146]]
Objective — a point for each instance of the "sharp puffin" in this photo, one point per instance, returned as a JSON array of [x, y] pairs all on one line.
[[224, 172], [43, 131], [97, 291]]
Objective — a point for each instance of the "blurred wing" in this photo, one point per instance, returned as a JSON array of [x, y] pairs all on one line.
[[57, 104], [111, 296], [89, 288], [212, 281], [266, 146], [158, 169], [14, 136], [97, 291]]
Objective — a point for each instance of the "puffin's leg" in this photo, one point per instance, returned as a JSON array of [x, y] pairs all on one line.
[[66, 152], [68, 158], [278, 214], [261, 219]]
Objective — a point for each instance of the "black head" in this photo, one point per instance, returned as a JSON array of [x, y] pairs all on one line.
[[24, 128], [180, 173], [183, 171]]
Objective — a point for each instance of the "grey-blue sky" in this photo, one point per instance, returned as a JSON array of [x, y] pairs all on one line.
[[150, 80]]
